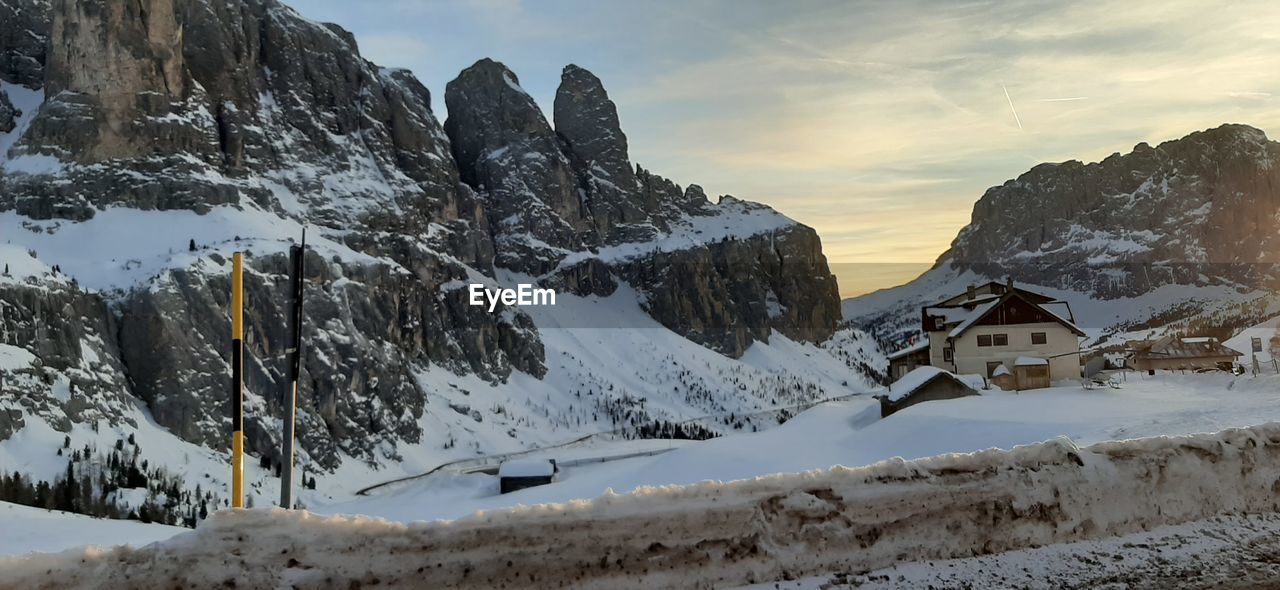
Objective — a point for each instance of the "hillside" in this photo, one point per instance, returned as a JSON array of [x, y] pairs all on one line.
[[1178, 237]]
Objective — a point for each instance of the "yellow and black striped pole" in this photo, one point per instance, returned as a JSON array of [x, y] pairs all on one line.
[[237, 380]]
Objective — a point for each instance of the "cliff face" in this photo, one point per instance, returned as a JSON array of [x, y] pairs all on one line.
[[1189, 211], [241, 121]]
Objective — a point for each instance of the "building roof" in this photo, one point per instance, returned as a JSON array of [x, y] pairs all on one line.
[[959, 313], [910, 350], [1029, 361], [995, 289], [527, 468], [1170, 347], [977, 313], [918, 378]]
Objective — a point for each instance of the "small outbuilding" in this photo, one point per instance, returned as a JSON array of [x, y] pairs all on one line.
[[1174, 353], [1030, 372], [519, 474], [922, 385]]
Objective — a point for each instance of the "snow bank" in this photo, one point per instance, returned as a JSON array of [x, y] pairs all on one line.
[[28, 529], [717, 534]]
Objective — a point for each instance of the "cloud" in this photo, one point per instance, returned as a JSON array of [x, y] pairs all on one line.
[[878, 123]]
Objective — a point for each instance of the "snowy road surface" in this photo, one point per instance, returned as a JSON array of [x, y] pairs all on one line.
[[1224, 553]]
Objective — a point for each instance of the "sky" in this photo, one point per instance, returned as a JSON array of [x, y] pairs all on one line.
[[877, 123]]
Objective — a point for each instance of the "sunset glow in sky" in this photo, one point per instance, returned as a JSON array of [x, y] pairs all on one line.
[[879, 124]]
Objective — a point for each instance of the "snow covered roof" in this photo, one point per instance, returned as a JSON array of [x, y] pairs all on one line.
[[527, 468], [914, 348], [1001, 370], [917, 378], [1029, 361], [1170, 347], [978, 313], [964, 316]]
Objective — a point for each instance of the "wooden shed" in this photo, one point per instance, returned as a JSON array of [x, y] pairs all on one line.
[[922, 385]]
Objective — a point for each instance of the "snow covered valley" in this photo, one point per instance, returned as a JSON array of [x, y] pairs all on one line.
[[748, 508]]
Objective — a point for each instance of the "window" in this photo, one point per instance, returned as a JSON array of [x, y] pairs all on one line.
[[1039, 338], [946, 354], [984, 340], [938, 324], [1000, 339], [992, 366]]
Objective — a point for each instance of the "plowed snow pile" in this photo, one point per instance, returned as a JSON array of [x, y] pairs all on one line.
[[713, 534]]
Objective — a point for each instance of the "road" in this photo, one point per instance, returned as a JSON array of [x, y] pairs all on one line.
[[1239, 552]]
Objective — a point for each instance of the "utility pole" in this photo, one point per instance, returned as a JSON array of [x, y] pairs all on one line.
[[237, 380], [297, 257]]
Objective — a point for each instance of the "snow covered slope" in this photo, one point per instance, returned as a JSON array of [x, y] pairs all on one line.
[[715, 534], [32, 530]]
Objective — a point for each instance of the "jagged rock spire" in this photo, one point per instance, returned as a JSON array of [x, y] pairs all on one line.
[[588, 121], [506, 150]]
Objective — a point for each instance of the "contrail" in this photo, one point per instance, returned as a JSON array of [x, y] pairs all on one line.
[[1015, 111], [1065, 99]]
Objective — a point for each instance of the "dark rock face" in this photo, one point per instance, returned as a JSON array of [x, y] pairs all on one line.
[[367, 328], [729, 294], [8, 114], [23, 37], [1186, 211], [506, 151], [76, 375], [587, 120]]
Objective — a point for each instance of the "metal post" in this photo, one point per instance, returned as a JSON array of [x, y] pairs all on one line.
[[237, 380], [290, 397]]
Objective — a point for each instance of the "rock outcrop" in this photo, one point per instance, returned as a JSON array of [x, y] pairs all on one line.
[[1195, 210], [23, 40], [8, 114], [506, 150], [1183, 237]]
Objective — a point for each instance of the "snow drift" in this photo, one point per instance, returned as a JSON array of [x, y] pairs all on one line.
[[716, 534]]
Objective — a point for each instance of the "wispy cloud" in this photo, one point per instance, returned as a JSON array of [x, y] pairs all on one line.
[[877, 123]]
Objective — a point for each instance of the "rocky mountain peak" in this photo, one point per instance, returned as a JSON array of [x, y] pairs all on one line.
[[506, 150], [1210, 197], [588, 121]]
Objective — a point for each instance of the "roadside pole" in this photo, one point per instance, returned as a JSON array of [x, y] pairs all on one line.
[[237, 380], [297, 257]]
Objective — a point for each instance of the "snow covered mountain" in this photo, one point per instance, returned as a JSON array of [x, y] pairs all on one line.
[[1182, 237], [141, 143]]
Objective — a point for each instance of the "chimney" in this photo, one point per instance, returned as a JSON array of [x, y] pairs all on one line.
[[973, 292], [1009, 282]]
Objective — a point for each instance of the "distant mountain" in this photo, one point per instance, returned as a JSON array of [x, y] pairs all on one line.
[[1183, 237], [143, 142]]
